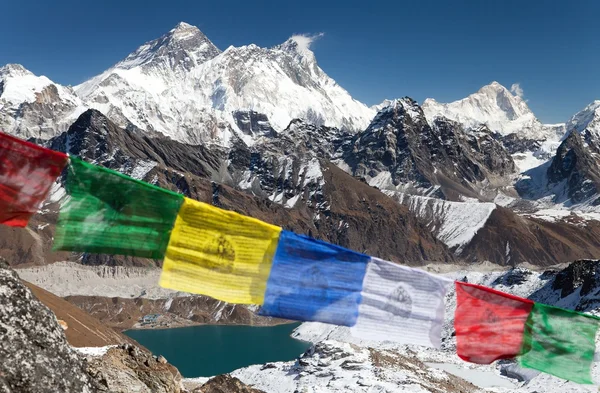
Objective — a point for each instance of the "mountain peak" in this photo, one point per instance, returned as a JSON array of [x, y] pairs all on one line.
[[12, 69], [493, 105], [586, 119], [184, 46], [495, 85], [184, 31], [299, 45], [496, 88], [183, 25], [385, 103]]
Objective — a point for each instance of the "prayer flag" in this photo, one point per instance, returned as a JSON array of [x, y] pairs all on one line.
[[314, 281], [401, 304], [110, 213], [27, 172], [560, 342], [219, 253], [489, 324]]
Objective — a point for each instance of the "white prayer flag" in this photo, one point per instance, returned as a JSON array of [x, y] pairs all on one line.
[[401, 304]]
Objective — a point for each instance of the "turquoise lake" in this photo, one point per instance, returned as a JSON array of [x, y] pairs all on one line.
[[204, 351]]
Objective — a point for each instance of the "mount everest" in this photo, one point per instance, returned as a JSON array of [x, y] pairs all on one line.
[[184, 87]]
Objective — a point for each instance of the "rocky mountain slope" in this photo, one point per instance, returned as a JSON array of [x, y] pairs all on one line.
[[34, 106], [477, 231], [572, 178], [38, 357], [34, 351], [401, 151], [81, 329]]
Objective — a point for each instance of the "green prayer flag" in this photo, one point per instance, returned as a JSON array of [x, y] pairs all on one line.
[[560, 342], [110, 213]]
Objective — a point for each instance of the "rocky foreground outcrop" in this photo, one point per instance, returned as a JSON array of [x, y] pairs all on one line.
[[127, 369], [225, 384], [35, 355]]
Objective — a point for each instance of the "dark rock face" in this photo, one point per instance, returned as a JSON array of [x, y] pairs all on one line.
[[439, 160], [584, 274], [576, 165], [225, 383], [575, 287], [392, 142], [572, 177], [34, 353], [253, 123], [95, 138], [514, 276], [514, 144], [486, 150], [306, 139]]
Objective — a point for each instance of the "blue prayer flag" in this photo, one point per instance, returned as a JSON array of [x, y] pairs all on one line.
[[314, 281]]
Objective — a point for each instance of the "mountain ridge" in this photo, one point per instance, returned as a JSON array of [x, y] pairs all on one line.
[[496, 107], [282, 83]]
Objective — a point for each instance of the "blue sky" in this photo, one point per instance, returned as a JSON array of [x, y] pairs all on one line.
[[387, 49]]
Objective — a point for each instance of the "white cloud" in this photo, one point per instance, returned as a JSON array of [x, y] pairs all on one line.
[[305, 40], [516, 89]]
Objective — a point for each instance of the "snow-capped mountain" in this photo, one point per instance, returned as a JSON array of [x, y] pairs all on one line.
[[34, 106], [402, 151], [184, 87], [587, 119], [497, 108], [571, 178], [181, 50], [382, 105]]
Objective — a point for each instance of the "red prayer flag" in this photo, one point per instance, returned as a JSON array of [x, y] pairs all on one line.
[[27, 172], [489, 324]]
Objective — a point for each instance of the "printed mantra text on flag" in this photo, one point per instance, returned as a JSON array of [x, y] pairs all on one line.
[[110, 213], [489, 324], [27, 172], [219, 253], [401, 304], [314, 281]]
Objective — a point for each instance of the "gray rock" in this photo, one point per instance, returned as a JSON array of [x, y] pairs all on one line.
[[127, 369], [225, 383], [34, 353]]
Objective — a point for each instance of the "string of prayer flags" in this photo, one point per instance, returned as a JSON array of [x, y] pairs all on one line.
[[242, 260], [489, 324], [27, 172], [560, 342], [401, 304], [111, 213], [219, 253], [314, 281]]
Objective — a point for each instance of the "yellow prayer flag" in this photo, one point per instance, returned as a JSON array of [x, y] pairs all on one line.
[[220, 254]]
